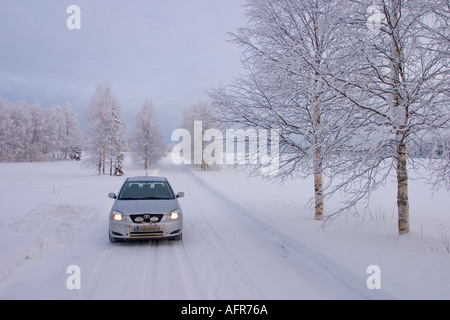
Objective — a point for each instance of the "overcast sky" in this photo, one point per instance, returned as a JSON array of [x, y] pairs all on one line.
[[167, 51]]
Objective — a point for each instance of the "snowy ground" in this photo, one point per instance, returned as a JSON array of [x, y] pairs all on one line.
[[243, 239]]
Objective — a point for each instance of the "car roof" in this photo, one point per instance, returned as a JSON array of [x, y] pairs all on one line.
[[146, 178]]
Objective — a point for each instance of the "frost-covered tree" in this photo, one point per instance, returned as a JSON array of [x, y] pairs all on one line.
[[22, 126], [33, 133], [70, 134], [36, 139], [396, 73], [197, 119], [105, 130], [12, 131], [288, 46], [352, 86], [61, 131], [147, 144], [6, 132]]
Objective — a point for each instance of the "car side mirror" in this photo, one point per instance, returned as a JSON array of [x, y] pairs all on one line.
[[112, 195], [180, 194]]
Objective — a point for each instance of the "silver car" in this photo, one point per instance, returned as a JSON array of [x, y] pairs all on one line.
[[145, 208]]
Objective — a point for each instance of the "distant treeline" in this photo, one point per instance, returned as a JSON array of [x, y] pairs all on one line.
[[34, 133]]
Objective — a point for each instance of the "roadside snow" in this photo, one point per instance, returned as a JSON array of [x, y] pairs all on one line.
[[243, 239], [413, 266]]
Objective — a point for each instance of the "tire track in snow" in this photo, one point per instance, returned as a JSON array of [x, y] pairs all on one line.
[[348, 279], [117, 272], [90, 285], [188, 273], [222, 260], [135, 272], [148, 280]]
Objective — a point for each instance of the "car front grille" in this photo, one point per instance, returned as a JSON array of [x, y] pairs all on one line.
[[146, 217], [151, 234]]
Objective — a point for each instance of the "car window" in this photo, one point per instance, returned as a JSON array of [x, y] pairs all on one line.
[[145, 190]]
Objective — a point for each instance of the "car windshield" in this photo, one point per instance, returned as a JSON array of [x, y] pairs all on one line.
[[146, 190]]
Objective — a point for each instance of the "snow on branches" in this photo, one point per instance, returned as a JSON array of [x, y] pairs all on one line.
[[32, 133], [351, 102]]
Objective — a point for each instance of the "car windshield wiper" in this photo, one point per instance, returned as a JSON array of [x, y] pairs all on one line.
[[153, 198], [144, 198]]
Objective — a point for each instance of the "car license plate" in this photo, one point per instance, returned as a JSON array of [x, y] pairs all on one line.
[[146, 228]]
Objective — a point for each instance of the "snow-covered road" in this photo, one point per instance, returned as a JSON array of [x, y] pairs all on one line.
[[237, 243], [227, 252]]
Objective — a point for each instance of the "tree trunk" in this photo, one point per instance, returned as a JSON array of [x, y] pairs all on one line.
[[400, 122], [99, 165], [318, 188], [103, 164], [402, 191], [318, 169]]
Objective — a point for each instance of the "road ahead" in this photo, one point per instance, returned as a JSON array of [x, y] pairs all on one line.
[[227, 252]]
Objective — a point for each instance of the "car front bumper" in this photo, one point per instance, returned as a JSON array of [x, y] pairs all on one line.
[[128, 230]]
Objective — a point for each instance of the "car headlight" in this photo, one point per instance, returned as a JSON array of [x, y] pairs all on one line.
[[117, 216], [174, 215]]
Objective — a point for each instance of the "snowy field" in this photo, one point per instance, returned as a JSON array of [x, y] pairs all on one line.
[[243, 239]]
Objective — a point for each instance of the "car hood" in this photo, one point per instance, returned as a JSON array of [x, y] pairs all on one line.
[[146, 206]]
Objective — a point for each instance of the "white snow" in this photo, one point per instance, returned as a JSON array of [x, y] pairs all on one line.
[[243, 239]]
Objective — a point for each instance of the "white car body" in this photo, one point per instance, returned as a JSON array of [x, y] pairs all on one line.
[[145, 208]]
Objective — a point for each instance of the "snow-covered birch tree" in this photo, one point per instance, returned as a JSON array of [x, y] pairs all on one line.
[[6, 132], [395, 71], [105, 130], [70, 134], [197, 119], [354, 88], [34, 133], [37, 140], [147, 143], [61, 131], [288, 47]]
